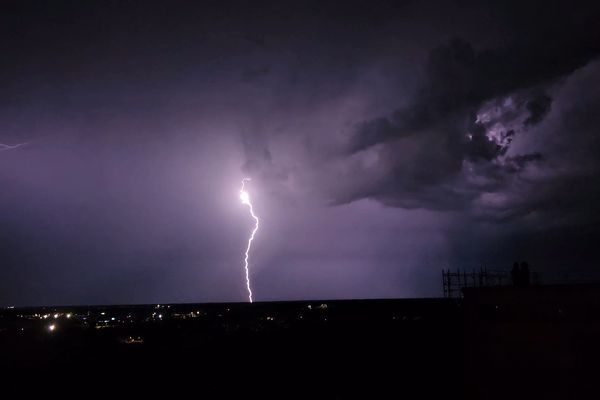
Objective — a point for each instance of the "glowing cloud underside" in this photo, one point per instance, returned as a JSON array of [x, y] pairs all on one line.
[[245, 198]]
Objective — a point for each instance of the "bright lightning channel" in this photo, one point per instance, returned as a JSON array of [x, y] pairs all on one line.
[[4, 147], [245, 198]]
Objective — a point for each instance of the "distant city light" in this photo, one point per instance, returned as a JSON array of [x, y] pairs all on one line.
[[51, 327], [69, 315], [55, 316]]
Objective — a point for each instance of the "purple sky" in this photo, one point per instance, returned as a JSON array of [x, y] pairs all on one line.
[[385, 141]]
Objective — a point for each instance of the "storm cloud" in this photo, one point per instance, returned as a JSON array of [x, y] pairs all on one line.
[[460, 124], [385, 141]]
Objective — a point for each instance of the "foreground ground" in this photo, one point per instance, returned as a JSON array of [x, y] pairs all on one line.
[[497, 343]]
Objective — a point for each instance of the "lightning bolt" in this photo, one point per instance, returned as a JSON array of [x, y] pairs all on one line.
[[4, 147], [245, 198]]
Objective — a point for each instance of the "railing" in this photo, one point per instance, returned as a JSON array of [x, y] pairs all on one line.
[[454, 281]]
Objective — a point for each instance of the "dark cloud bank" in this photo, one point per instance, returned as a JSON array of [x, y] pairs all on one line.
[[385, 140]]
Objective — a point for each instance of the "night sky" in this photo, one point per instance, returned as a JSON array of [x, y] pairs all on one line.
[[385, 140]]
